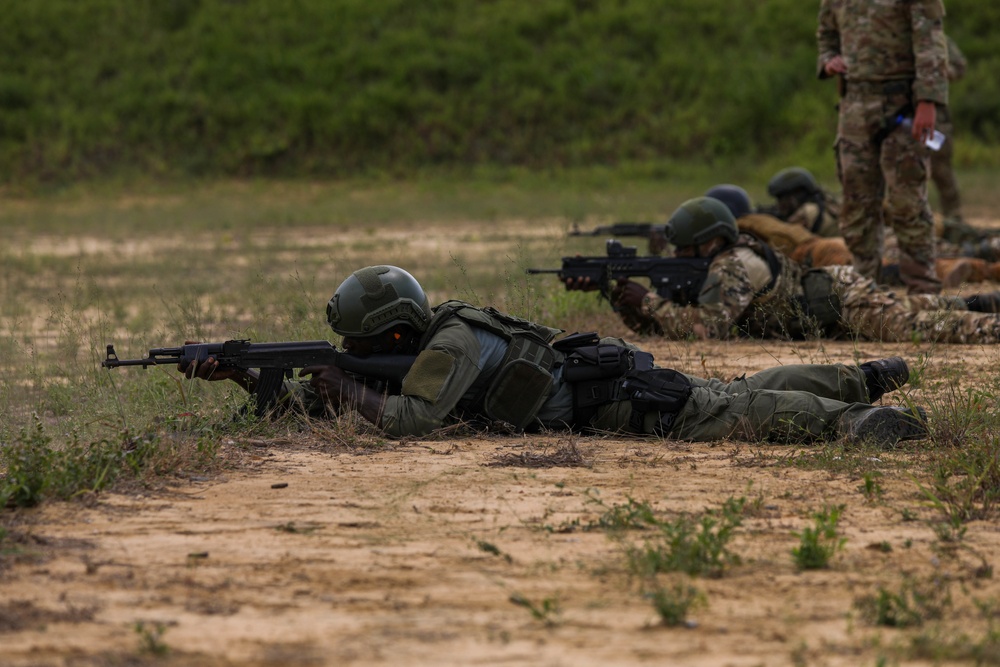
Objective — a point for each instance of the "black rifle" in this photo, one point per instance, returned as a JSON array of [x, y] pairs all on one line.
[[640, 229], [678, 279], [276, 361]]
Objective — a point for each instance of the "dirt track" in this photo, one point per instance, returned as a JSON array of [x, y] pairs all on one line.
[[475, 551], [412, 553]]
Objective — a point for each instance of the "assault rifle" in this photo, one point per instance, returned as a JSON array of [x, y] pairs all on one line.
[[678, 279], [276, 361]]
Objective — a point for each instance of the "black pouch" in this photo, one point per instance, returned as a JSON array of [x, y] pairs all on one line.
[[821, 300], [576, 340], [596, 362], [660, 390]]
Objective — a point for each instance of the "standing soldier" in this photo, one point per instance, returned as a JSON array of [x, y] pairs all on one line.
[[941, 171], [893, 64]]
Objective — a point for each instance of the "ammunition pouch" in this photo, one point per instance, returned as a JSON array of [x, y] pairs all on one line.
[[523, 383], [597, 373], [660, 390], [820, 300]]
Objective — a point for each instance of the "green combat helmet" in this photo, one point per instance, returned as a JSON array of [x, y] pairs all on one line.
[[699, 220], [376, 298], [733, 196], [790, 180]]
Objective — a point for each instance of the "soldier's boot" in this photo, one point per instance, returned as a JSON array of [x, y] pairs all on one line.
[[885, 375], [986, 302], [886, 425]]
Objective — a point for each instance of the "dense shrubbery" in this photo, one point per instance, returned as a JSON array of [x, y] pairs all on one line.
[[291, 87]]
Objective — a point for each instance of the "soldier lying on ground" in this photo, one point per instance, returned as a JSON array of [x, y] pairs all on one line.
[[814, 250], [483, 365], [799, 200], [752, 290]]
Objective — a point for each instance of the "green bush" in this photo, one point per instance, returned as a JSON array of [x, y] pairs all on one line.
[[269, 87]]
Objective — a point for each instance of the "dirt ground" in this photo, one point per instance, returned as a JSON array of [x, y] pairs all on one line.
[[479, 551], [418, 552]]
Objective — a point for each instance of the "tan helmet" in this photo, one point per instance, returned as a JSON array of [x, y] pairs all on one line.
[[376, 298]]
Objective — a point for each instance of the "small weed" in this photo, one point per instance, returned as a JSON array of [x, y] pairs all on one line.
[[694, 547], [151, 637], [917, 602], [546, 611], [492, 549], [633, 515], [290, 527], [674, 603], [870, 487], [820, 542]]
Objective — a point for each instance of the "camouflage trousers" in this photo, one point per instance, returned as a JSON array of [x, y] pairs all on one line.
[[872, 312], [883, 173], [941, 169]]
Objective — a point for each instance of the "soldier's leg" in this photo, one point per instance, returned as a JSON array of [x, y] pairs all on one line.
[[875, 313], [788, 417], [837, 381], [861, 180], [941, 169], [905, 165]]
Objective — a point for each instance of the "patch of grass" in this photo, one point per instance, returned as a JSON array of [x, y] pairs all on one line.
[[818, 543], [915, 603], [695, 547], [871, 487], [493, 550], [674, 603], [547, 610], [151, 637]]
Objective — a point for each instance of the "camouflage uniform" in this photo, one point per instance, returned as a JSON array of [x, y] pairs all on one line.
[[941, 171], [896, 56], [742, 296], [819, 217]]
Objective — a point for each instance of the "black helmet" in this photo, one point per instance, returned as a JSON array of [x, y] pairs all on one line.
[[699, 220], [789, 180], [376, 298], [733, 196]]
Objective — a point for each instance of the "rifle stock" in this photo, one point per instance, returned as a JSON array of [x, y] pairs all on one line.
[[275, 361]]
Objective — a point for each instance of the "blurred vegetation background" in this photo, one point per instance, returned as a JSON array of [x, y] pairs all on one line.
[[92, 89]]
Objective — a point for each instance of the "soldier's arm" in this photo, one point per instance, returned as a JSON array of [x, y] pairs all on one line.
[[441, 375], [930, 51], [827, 38], [724, 299]]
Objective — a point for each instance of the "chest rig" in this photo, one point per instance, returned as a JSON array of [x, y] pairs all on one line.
[[524, 379]]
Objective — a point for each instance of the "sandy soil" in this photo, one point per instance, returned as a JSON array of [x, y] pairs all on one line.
[[418, 552], [477, 550]]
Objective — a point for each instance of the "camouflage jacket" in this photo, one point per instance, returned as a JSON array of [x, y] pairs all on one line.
[[886, 41], [750, 290], [819, 217]]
